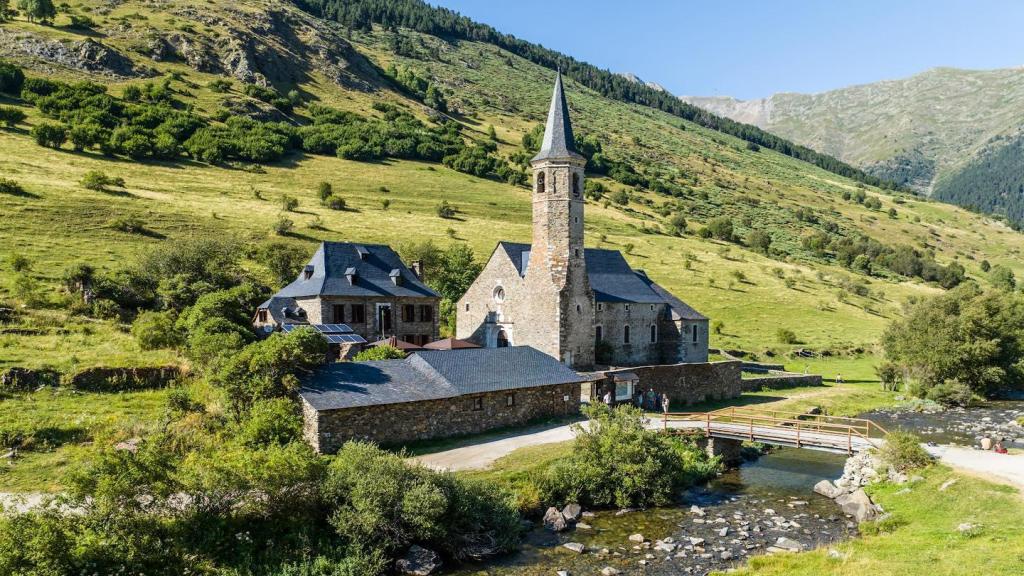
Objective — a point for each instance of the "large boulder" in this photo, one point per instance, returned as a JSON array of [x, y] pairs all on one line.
[[572, 512], [828, 489], [859, 505], [419, 561], [554, 520]]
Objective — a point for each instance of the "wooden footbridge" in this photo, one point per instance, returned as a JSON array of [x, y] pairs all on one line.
[[811, 431]]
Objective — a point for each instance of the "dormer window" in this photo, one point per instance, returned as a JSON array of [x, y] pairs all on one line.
[[261, 315], [396, 277], [540, 183], [350, 275], [363, 252], [307, 272]]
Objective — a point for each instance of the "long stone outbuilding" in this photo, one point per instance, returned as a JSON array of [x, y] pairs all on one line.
[[435, 394]]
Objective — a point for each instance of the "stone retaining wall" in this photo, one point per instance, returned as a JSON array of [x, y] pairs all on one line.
[[780, 381], [97, 379], [685, 384], [402, 423]]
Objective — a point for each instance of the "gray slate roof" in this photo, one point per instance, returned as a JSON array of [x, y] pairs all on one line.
[[612, 279], [284, 310], [433, 375], [373, 264], [558, 139]]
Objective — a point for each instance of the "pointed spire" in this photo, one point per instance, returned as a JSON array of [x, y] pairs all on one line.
[[558, 138]]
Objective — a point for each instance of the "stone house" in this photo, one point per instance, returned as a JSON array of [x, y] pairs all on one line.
[[365, 287], [583, 306], [434, 394]]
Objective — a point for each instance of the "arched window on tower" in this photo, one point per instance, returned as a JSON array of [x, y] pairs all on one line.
[[575, 185], [502, 341], [540, 182]]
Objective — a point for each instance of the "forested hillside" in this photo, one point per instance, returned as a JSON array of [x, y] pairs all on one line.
[[941, 131], [131, 130]]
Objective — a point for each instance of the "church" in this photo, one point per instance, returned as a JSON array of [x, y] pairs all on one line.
[[582, 306]]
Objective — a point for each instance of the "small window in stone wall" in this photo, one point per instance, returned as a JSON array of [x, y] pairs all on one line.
[[478, 403], [359, 313], [625, 334], [627, 307], [408, 313], [540, 183], [426, 313], [467, 306], [695, 334], [510, 400], [654, 333]]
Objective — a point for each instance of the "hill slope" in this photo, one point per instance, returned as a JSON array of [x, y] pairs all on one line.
[[924, 131], [684, 168]]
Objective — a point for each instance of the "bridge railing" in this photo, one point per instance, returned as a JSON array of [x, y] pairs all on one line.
[[790, 427]]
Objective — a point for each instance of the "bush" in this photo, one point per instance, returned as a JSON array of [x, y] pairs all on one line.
[[128, 225], [10, 116], [49, 134], [19, 262], [99, 181], [620, 197], [617, 461], [951, 393], [902, 451], [382, 352], [283, 226], [8, 186], [335, 202], [446, 210], [274, 421], [890, 375], [759, 241], [382, 502], [153, 330], [289, 203], [786, 336], [721, 228], [324, 191], [678, 225], [11, 78]]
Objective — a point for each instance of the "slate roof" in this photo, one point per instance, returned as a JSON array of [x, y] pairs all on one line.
[[558, 139], [284, 310], [680, 310], [433, 375], [373, 265]]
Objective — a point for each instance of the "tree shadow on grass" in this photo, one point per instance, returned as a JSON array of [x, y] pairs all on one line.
[[22, 193]]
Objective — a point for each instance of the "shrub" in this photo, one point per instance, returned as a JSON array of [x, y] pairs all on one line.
[[50, 134], [717, 327], [324, 191], [902, 451], [890, 375], [620, 197], [335, 202], [382, 502], [273, 421], [678, 224], [19, 262], [383, 352], [11, 78], [617, 461], [179, 400], [446, 210], [10, 116], [283, 226], [99, 181], [154, 330], [721, 228], [951, 393], [786, 336], [128, 225], [289, 203], [12, 187], [759, 241], [1003, 278]]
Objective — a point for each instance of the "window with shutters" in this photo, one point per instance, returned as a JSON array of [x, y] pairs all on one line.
[[426, 313], [408, 313], [358, 314]]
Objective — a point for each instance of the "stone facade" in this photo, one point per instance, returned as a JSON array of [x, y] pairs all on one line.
[[780, 381], [685, 384], [339, 310], [392, 424]]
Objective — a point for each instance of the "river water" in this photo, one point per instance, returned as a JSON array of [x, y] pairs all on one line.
[[753, 505], [963, 426]]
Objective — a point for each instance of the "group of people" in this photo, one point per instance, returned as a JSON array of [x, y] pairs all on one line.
[[998, 448], [651, 401]]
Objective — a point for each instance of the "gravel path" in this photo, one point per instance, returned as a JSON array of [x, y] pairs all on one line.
[[1003, 468]]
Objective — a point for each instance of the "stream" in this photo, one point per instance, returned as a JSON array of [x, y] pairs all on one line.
[[745, 510]]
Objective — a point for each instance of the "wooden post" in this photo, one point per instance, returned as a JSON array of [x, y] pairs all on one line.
[[849, 440], [797, 433]]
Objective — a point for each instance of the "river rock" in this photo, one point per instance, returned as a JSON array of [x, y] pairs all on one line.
[[638, 538], [419, 561], [572, 512], [827, 489], [575, 547], [554, 521], [788, 544], [858, 504], [609, 571], [583, 526], [697, 510], [727, 555]]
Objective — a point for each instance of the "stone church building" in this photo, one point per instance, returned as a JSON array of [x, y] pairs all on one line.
[[583, 306]]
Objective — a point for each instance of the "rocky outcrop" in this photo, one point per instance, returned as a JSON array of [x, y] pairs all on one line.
[[554, 520], [859, 505], [419, 561], [86, 55]]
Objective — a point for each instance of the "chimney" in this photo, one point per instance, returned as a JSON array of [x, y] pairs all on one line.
[[396, 277], [417, 268], [350, 275]]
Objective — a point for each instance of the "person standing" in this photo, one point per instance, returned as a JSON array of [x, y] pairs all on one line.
[[986, 442], [664, 403], [608, 399]]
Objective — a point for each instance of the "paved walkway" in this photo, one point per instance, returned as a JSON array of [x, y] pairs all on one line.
[[1004, 468]]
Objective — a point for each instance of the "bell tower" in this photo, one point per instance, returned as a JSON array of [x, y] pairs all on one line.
[[557, 264]]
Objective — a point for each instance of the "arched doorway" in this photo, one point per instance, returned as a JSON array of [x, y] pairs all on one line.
[[502, 340]]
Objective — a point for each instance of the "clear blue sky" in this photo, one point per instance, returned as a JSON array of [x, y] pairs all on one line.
[[754, 48]]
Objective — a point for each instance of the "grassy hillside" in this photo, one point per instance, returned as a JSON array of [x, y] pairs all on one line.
[[58, 222], [920, 130]]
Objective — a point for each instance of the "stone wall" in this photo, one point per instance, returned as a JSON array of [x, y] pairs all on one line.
[[613, 317], [685, 384], [402, 423], [780, 381], [97, 379]]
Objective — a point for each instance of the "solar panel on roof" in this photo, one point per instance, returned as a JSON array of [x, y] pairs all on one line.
[[332, 328]]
